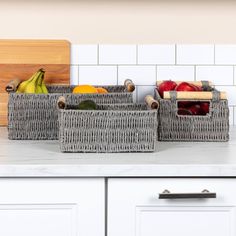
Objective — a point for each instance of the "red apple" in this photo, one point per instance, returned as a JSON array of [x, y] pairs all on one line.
[[205, 107], [184, 86], [197, 88], [184, 112], [195, 109], [167, 85]]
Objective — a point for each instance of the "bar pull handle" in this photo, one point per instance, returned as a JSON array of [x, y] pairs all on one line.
[[166, 194]]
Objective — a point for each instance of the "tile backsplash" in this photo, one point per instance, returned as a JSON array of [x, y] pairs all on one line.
[[144, 64]]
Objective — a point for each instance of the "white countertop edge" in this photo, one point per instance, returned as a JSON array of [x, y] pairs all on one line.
[[58, 171]]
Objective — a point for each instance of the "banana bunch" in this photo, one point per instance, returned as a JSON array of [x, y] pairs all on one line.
[[35, 84]]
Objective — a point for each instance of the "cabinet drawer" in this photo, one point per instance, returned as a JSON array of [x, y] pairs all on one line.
[[52, 207], [135, 207]]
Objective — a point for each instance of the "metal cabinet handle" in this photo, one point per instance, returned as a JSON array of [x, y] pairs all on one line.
[[204, 194]]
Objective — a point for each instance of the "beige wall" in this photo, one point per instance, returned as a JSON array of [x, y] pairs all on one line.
[[125, 21]]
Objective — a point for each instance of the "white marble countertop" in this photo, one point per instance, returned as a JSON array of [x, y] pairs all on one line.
[[173, 159]]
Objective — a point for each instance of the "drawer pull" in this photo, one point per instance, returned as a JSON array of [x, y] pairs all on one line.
[[204, 194]]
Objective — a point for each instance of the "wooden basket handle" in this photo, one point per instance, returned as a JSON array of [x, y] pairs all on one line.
[[198, 83], [195, 95], [12, 85], [151, 102], [61, 102], [130, 87]]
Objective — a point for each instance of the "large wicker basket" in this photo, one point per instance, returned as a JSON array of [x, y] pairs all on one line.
[[212, 127], [35, 116], [110, 128]]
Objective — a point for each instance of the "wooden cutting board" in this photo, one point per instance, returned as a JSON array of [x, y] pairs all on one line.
[[21, 58]]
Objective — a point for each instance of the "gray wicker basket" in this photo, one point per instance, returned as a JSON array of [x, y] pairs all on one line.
[[211, 127], [35, 116], [110, 128]]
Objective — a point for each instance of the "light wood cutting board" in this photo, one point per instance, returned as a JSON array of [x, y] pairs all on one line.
[[21, 58]]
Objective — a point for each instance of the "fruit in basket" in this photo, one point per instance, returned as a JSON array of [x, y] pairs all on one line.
[[185, 86], [167, 85], [101, 90], [205, 107], [87, 105], [34, 84], [195, 109], [84, 89], [184, 112]]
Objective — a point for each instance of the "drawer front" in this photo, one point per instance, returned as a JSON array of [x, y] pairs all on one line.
[[135, 207], [52, 207]]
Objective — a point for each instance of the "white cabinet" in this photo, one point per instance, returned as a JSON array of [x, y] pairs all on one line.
[[52, 207], [134, 208]]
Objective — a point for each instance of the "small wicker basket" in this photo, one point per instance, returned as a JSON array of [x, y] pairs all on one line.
[[110, 128], [35, 116], [212, 127]]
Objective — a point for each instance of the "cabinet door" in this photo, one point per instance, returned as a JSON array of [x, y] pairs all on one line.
[[134, 208], [52, 207]]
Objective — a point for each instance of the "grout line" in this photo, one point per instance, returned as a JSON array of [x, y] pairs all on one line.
[[156, 74], [136, 54], [78, 76], [117, 75], [224, 85], [195, 73], [214, 54], [175, 54], [233, 75], [151, 64], [98, 54]]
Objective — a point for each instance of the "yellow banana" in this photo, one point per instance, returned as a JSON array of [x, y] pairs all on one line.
[[31, 86], [43, 86], [23, 85], [39, 84]]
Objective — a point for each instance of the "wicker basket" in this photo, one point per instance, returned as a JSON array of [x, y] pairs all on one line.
[[35, 116], [212, 127], [110, 128]]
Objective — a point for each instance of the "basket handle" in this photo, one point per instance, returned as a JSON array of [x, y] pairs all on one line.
[[12, 85], [61, 102], [151, 102], [214, 95], [202, 83], [129, 85]]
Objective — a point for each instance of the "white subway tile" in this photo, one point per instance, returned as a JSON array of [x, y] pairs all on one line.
[[195, 54], [117, 54], [74, 75], [231, 93], [156, 54], [84, 54], [140, 75], [231, 116], [219, 75], [225, 54], [98, 75], [143, 91], [179, 73]]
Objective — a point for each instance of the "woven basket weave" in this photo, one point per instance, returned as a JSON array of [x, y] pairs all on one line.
[[35, 116], [111, 128], [212, 127]]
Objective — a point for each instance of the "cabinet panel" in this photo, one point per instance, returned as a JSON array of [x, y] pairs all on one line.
[[134, 208], [48, 207]]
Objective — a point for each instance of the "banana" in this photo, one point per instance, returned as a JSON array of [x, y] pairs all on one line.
[[23, 85], [31, 86], [39, 84], [34, 84], [43, 86]]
